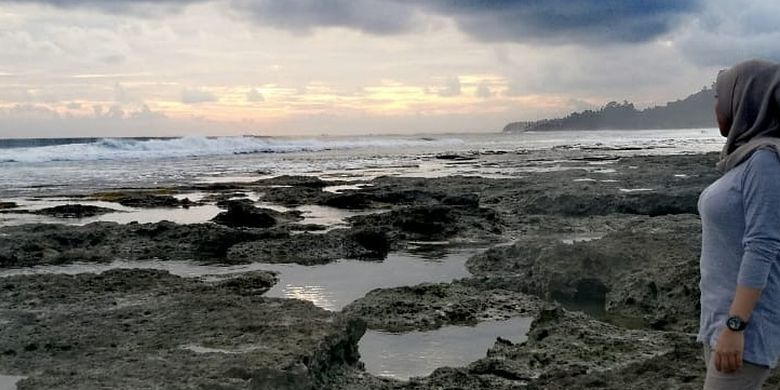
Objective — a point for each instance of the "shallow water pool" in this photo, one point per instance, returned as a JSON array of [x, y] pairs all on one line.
[[8, 382], [330, 286], [335, 285], [405, 355]]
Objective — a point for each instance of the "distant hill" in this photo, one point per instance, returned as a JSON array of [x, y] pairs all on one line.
[[695, 111]]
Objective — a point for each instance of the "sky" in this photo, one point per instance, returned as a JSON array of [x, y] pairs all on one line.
[[105, 68]]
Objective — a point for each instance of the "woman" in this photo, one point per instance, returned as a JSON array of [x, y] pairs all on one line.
[[740, 214]]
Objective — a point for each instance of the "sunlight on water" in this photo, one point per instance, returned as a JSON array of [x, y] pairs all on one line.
[[333, 286], [330, 286]]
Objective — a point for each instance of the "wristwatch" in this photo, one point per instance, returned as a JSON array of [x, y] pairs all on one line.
[[736, 324]]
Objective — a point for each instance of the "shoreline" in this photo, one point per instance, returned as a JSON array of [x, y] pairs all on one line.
[[636, 257]]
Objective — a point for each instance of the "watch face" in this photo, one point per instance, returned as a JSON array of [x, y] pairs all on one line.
[[734, 323]]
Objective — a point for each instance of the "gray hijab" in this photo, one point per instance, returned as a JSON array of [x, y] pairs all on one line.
[[748, 96]]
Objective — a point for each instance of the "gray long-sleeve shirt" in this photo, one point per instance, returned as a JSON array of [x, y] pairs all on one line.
[[740, 216]]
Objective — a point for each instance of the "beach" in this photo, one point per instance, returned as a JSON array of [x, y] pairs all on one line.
[[537, 261]]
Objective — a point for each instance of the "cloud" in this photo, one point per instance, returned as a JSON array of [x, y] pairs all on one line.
[[145, 113], [730, 31], [196, 96], [549, 22], [381, 17], [141, 7], [452, 88], [121, 95], [564, 22], [254, 96], [483, 90], [37, 120]]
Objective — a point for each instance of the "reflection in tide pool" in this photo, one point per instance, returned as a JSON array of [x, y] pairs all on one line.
[[335, 285], [123, 214], [330, 286], [406, 355]]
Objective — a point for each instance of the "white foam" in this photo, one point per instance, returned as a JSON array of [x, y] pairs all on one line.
[[120, 149]]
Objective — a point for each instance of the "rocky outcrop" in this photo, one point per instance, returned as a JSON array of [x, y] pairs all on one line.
[[8, 205], [309, 249], [107, 241], [129, 329], [295, 181], [242, 213], [74, 211], [142, 199], [649, 270], [155, 329], [568, 350], [467, 223], [431, 306]]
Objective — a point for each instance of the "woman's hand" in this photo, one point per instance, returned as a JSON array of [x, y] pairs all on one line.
[[728, 350]]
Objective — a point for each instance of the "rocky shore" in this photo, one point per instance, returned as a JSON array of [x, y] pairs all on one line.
[[601, 252]]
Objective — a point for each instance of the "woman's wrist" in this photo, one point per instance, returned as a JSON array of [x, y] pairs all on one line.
[[745, 299]]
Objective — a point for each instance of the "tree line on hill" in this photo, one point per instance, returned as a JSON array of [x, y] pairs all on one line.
[[695, 111]]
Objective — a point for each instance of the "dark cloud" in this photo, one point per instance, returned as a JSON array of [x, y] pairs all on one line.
[[730, 31], [563, 21], [551, 21], [381, 17]]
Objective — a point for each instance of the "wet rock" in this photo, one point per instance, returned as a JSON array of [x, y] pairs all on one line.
[[643, 203], [648, 270], [375, 243], [430, 306], [74, 211], [349, 201], [308, 227], [310, 249], [244, 214], [570, 350], [566, 350], [249, 283], [468, 200], [143, 199], [403, 196], [106, 241], [221, 198], [454, 157], [149, 329], [293, 196], [8, 205], [434, 222], [295, 181], [210, 187]]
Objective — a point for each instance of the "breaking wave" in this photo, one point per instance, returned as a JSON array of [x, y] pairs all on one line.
[[127, 148]]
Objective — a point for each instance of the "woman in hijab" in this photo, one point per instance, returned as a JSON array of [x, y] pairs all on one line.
[[740, 214]]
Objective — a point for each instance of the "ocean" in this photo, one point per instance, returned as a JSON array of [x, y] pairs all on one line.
[[66, 166]]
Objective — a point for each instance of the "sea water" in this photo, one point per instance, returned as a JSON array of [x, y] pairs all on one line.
[[68, 166]]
